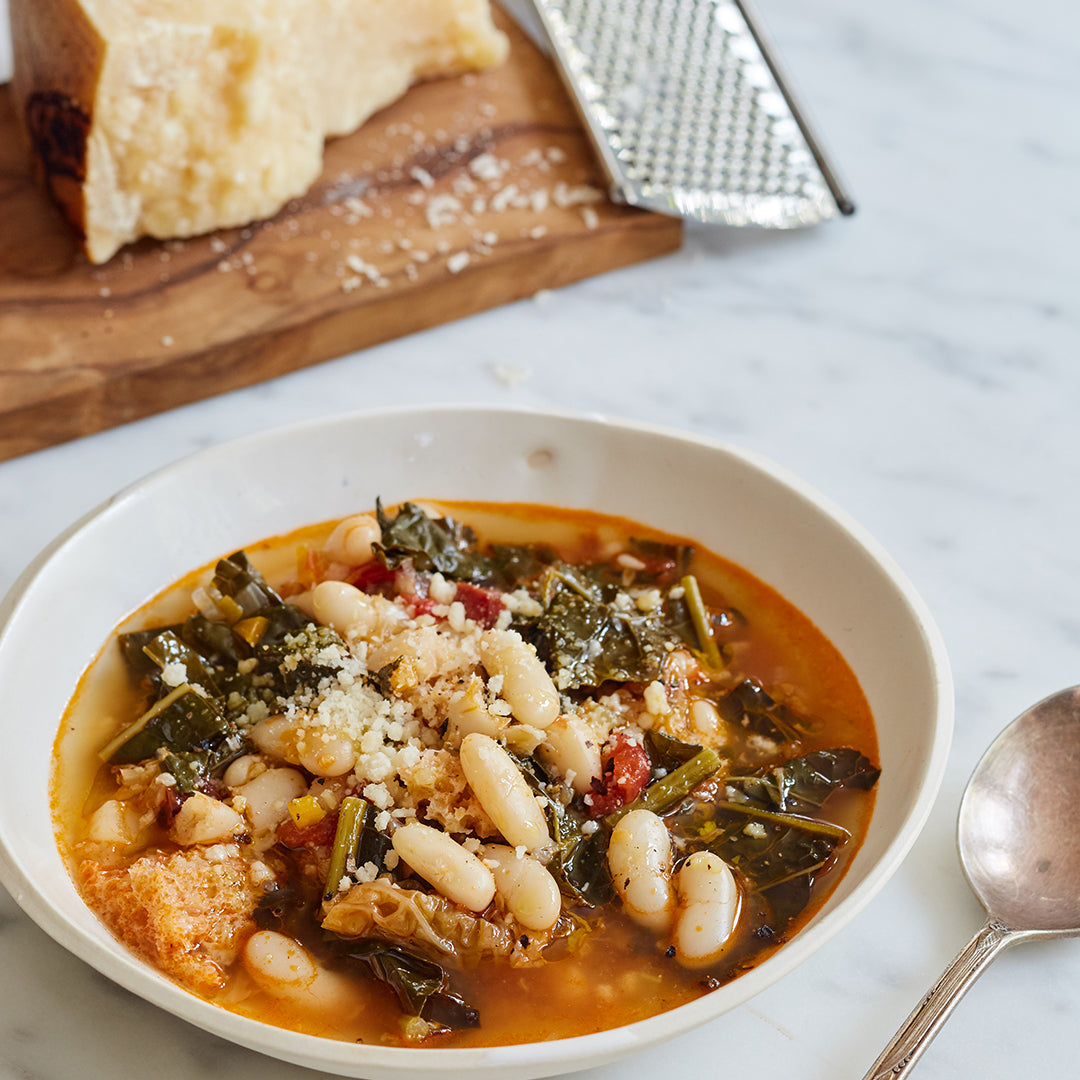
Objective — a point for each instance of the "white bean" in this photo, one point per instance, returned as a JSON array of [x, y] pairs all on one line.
[[351, 540], [468, 712], [571, 749], [527, 686], [708, 909], [283, 967], [113, 822], [639, 858], [344, 607], [705, 718], [202, 820], [268, 795], [327, 755], [440, 860], [503, 793], [243, 769], [277, 737], [530, 892]]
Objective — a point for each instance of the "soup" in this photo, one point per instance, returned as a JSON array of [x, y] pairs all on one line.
[[462, 775]]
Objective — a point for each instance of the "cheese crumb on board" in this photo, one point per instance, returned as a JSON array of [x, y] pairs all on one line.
[[172, 118]]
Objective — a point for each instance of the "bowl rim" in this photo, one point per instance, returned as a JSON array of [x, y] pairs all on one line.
[[554, 1055]]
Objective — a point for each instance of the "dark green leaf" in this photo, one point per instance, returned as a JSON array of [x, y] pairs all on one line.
[[780, 857], [441, 544], [583, 870], [237, 579], [279, 909], [806, 782], [167, 648], [751, 708], [194, 769], [373, 844], [588, 637], [508, 567], [190, 722], [132, 646], [215, 641], [421, 985], [667, 753], [450, 1011]]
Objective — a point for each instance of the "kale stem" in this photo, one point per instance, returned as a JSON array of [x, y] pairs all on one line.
[[346, 838], [114, 744], [670, 790], [699, 616], [821, 828]]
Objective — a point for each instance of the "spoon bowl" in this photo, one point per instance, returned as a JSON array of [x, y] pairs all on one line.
[[1020, 852], [1017, 830]]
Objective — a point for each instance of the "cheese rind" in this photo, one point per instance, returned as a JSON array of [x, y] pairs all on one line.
[[171, 118]]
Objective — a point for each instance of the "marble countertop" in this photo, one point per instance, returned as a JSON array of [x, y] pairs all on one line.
[[918, 363]]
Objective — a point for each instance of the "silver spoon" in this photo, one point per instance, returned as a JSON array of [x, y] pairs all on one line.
[[1020, 851]]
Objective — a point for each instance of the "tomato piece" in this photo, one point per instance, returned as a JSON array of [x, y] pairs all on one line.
[[481, 605], [625, 776], [372, 577], [419, 605], [321, 834]]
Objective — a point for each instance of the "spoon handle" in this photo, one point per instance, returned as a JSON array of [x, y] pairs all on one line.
[[935, 1008]]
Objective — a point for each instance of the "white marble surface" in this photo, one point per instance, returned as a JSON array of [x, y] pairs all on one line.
[[917, 363]]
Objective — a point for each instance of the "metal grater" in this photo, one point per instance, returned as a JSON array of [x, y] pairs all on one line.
[[689, 113]]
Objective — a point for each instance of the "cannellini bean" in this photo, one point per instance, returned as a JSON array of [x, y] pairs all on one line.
[[708, 908], [113, 822], [639, 858], [351, 540], [277, 737], [527, 686], [571, 749], [344, 607], [521, 739], [529, 890], [440, 860], [268, 795], [283, 967], [243, 769], [468, 712], [503, 793], [705, 718], [202, 820], [328, 755]]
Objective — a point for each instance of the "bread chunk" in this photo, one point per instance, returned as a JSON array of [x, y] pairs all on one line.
[[171, 118], [183, 911]]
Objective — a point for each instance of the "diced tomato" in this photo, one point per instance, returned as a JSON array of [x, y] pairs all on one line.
[[659, 567], [626, 773], [321, 834], [481, 605], [419, 605], [171, 802], [312, 565], [372, 577]]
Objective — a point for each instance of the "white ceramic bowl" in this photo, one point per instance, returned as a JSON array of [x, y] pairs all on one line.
[[62, 609]]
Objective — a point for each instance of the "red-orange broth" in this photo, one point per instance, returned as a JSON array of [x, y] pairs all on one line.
[[616, 972]]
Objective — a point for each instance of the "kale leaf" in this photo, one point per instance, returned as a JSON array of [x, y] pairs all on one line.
[[589, 633], [421, 985], [758, 828]]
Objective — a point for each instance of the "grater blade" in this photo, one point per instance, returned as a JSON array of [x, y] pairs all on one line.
[[690, 113]]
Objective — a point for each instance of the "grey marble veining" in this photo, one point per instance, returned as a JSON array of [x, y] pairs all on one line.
[[919, 364]]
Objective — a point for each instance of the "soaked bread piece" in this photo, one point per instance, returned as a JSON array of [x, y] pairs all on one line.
[[180, 910]]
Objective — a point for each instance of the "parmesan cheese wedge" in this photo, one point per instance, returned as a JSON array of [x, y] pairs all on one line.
[[171, 118]]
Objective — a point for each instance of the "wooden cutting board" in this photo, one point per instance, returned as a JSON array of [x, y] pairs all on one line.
[[467, 193]]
